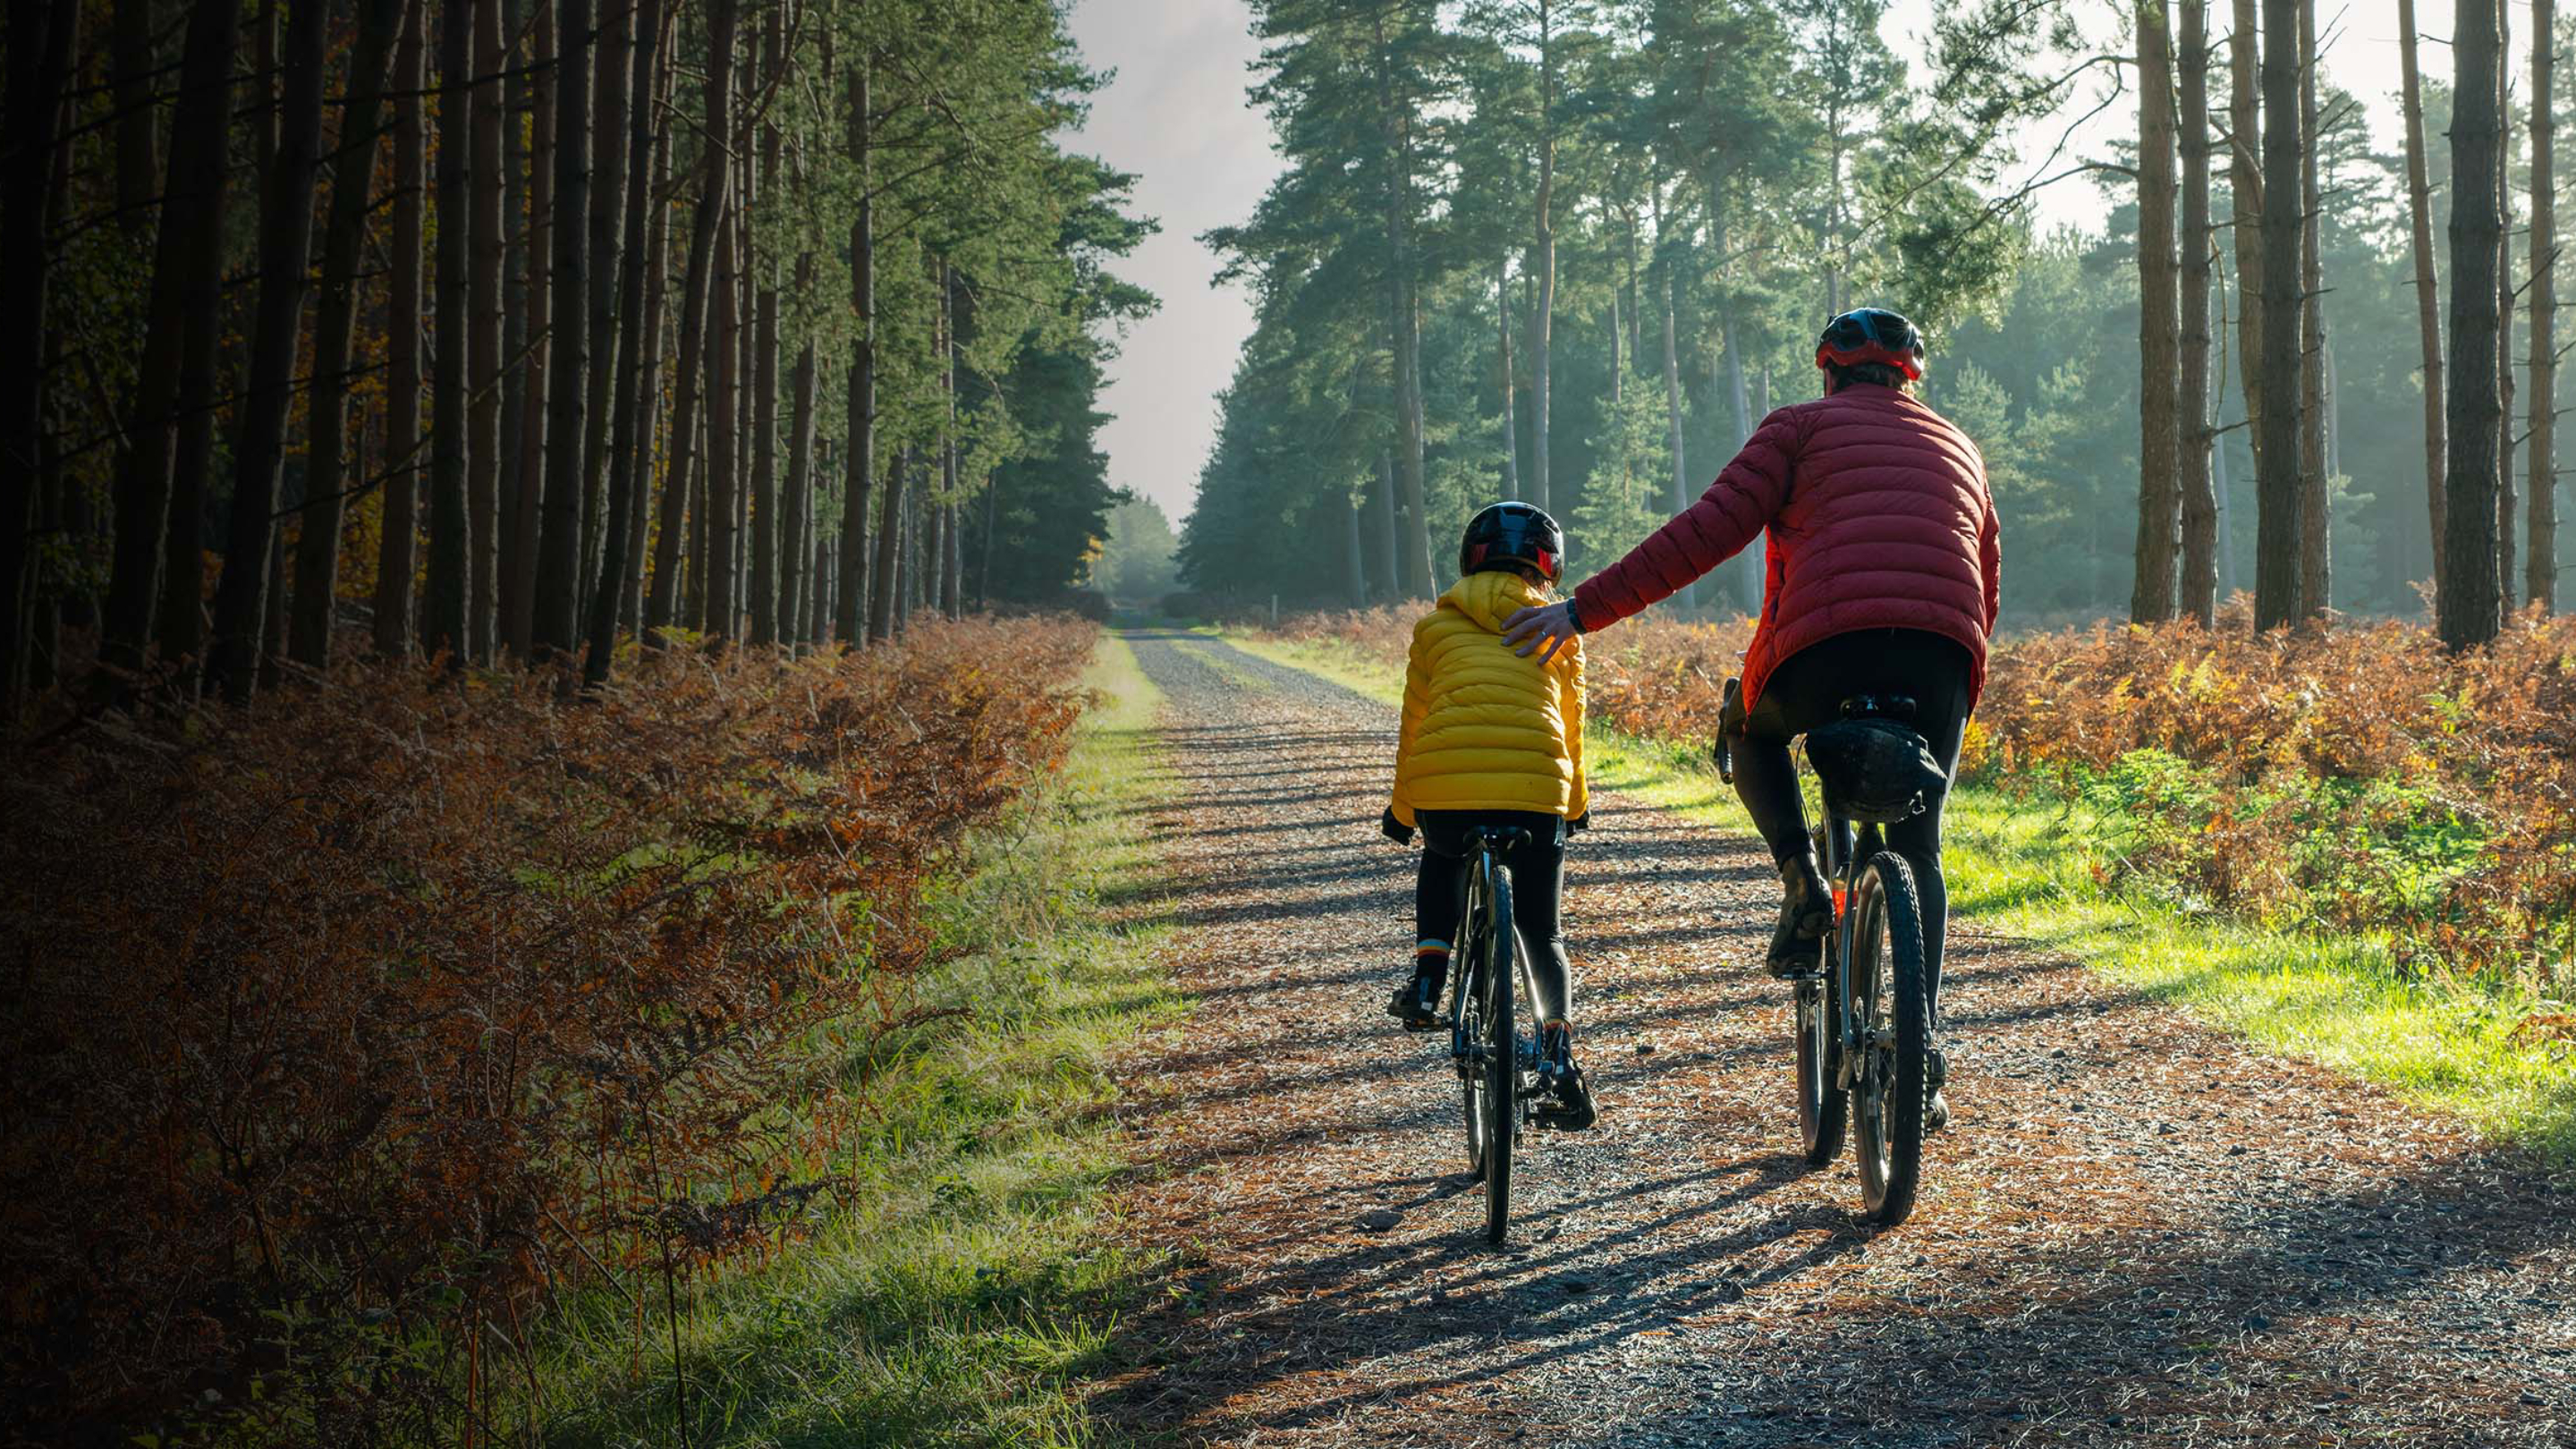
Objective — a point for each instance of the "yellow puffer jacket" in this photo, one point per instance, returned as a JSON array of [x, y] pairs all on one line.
[[1484, 728]]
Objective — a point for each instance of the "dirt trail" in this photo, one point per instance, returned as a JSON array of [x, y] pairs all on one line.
[[2139, 1231]]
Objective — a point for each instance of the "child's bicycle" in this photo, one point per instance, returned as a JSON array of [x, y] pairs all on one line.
[[1498, 1062], [1863, 1013]]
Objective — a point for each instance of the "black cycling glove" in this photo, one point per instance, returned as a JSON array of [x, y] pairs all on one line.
[[1394, 829], [1579, 823]]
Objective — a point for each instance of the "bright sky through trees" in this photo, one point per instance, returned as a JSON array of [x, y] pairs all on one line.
[[1176, 116]]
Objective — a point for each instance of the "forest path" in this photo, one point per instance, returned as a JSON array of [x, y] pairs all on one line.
[[2138, 1231]]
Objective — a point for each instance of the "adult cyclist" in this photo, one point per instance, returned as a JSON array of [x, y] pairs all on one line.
[[1881, 577]]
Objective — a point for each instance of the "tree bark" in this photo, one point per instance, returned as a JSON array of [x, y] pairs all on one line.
[[527, 500], [187, 283], [1543, 263], [489, 251], [398, 539], [606, 210], [661, 607], [2466, 608], [2151, 595], [2505, 520], [631, 437], [285, 254], [2199, 597], [448, 617], [2540, 546], [131, 79], [1673, 402], [722, 437], [554, 626], [519, 268], [648, 400], [2276, 459], [765, 520], [326, 473], [2245, 186], [1503, 340], [887, 585], [41, 34], [1394, 136], [2428, 305], [2316, 515], [796, 506], [851, 605]]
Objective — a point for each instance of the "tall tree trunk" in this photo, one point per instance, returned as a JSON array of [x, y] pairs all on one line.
[[1542, 260], [2151, 596], [796, 507], [607, 216], [1394, 122], [853, 606], [553, 629], [1673, 408], [2466, 609], [945, 526], [326, 473], [2199, 596], [2276, 457], [1503, 340], [518, 269], [1409, 424], [2540, 568], [648, 400], [886, 586], [187, 283], [2428, 306], [722, 435], [2505, 519], [526, 502], [2316, 515], [489, 251], [697, 287], [631, 439], [448, 617], [398, 540], [285, 253], [765, 512], [1387, 527], [41, 33], [2245, 167]]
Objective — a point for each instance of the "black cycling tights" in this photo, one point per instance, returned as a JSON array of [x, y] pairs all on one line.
[[1538, 880], [1806, 691]]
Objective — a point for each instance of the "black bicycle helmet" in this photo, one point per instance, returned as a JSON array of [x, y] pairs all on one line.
[[1503, 534], [1872, 334]]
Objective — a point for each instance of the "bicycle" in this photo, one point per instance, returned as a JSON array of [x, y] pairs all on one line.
[[1498, 1064], [1863, 1018]]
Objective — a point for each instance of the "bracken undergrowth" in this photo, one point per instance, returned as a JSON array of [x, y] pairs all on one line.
[[346, 1032], [2352, 776]]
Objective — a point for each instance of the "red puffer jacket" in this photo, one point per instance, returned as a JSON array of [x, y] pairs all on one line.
[[1879, 518]]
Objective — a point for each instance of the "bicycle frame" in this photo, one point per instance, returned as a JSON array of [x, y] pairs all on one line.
[[1485, 848]]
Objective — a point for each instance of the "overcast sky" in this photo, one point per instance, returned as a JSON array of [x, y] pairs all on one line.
[[1176, 116]]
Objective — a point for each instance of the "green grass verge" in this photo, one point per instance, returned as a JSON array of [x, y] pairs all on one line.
[[962, 1281], [2034, 866]]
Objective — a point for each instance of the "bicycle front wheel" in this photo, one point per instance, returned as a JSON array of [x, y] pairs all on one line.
[[1891, 1080], [1501, 1067]]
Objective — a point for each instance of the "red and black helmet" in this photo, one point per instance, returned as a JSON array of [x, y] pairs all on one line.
[[1503, 534], [1872, 334]]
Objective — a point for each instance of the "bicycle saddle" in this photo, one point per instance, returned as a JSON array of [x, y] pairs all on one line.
[[1875, 771]]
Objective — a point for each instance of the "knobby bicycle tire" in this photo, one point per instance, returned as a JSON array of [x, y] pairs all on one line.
[[1501, 1069], [1889, 1096], [1823, 1107], [1467, 1016]]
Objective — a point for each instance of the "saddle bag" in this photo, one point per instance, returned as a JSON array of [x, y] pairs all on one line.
[[1875, 771]]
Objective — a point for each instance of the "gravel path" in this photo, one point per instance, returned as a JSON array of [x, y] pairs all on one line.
[[2137, 1232]]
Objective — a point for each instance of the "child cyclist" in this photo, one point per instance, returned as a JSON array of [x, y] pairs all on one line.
[[1491, 738]]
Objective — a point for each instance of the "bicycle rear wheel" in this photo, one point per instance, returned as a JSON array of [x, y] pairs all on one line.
[[1500, 1065], [1467, 1028], [1823, 1107], [1891, 1082]]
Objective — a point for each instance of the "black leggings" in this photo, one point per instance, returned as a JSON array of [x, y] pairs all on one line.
[[1538, 881], [1806, 691]]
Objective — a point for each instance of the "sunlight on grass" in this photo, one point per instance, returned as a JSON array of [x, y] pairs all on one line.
[[2028, 867], [961, 1277]]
